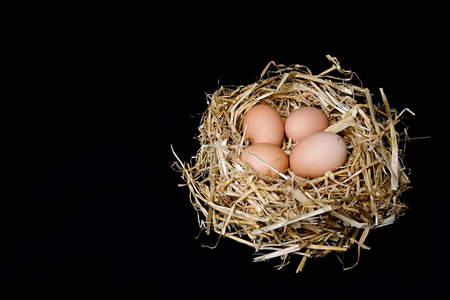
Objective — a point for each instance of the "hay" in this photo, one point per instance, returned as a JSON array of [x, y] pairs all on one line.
[[293, 215]]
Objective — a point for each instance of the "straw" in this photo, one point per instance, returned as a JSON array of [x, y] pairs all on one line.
[[294, 215]]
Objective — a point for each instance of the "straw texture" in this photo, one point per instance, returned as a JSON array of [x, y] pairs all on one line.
[[294, 215]]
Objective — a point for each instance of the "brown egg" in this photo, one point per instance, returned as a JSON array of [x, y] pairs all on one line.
[[264, 125], [318, 153], [269, 153], [305, 121]]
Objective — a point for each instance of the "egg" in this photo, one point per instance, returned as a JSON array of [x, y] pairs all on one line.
[[305, 121], [264, 125], [271, 154], [318, 153]]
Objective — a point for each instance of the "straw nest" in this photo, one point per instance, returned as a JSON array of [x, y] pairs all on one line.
[[294, 215]]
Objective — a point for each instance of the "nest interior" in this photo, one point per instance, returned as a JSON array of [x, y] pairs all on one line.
[[294, 215]]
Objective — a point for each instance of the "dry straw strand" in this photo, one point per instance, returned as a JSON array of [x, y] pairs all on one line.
[[294, 215]]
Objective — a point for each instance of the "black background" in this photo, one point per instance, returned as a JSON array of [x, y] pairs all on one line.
[[93, 204]]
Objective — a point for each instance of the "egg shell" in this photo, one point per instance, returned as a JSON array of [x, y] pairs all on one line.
[[305, 121], [318, 153], [264, 125], [271, 154]]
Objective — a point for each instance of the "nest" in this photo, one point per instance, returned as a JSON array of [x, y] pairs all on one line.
[[293, 215]]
